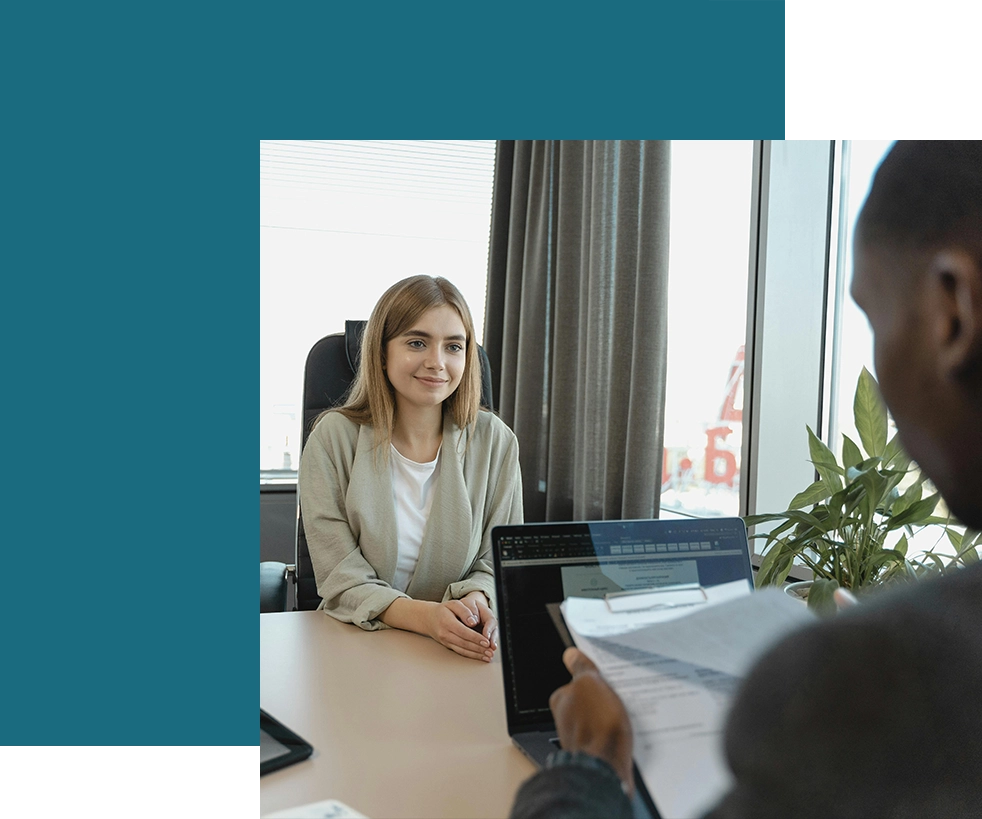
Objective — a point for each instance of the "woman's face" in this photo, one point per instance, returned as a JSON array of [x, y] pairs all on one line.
[[425, 364]]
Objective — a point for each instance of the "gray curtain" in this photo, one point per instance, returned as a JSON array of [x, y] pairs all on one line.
[[576, 321]]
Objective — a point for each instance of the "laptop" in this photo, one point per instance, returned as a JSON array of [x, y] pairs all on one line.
[[538, 564]]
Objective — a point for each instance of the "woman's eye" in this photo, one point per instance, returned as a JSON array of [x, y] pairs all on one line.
[[416, 344], [455, 348]]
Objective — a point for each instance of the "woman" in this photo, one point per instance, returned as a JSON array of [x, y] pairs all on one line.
[[401, 486]]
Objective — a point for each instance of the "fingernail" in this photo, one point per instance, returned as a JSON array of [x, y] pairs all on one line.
[[485, 643], [472, 620]]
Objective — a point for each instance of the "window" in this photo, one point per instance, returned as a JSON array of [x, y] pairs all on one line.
[[852, 339], [340, 221], [711, 197]]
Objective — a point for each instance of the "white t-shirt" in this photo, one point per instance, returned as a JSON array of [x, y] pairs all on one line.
[[412, 494]]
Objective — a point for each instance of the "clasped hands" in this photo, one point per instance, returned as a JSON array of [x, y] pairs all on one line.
[[466, 626]]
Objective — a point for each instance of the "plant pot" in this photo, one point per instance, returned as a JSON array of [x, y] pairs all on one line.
[[799, 590]]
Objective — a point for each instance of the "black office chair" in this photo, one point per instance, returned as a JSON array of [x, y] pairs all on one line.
[[330, 368]]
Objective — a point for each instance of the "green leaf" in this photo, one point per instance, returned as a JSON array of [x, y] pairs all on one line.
[[753, 520], [885, 556], [876, 490], [968, 555], [918, 513], [784, 568], [851, 456], [773, 535], [837, 506], [955, 538], [771, 565], [894, 455], [825, 462], [893, 481], [811, 525], [891, 499], [938, 562], [901, 547], [815, 493], [908, 498], [870, 414], [965, 547], [820, 597]]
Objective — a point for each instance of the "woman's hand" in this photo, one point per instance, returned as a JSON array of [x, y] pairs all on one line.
[[460, 625], [591, 718], [480, 618], [456, 625]]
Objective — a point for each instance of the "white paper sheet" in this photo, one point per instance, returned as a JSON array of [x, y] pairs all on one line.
[[593, 617], [677, 676]]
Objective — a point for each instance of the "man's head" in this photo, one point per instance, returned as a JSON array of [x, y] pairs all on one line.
[[918, 278]]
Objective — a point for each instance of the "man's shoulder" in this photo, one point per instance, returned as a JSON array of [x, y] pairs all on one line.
[[960, 588], [937, 616], [936, 613]]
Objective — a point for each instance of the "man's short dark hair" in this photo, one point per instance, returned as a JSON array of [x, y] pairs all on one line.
[[924, 194]]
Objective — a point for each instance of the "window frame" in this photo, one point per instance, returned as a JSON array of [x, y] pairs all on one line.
[[788, 297]]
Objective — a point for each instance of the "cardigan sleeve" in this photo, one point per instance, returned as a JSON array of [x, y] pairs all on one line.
[[503, 506], [350, 587]]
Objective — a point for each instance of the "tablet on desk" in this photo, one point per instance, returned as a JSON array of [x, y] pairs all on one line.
[[278, 745]]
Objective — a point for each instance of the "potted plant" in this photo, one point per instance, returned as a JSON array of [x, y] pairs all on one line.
[[863, 512]]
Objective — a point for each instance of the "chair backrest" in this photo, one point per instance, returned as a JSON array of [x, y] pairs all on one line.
[[328, 373]]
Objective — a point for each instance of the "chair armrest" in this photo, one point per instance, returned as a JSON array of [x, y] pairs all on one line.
[[272, 586]]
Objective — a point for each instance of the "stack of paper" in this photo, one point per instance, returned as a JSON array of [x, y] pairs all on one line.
[[676, 668]]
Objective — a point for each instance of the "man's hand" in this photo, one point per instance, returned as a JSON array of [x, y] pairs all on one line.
[[591, 718], [844, 599]]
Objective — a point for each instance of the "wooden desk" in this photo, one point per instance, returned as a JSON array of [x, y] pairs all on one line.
[[401, 726]]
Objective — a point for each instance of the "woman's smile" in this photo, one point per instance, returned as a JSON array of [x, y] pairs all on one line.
[[432, 381]]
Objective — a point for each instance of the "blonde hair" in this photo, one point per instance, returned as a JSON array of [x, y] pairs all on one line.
[[371, 399]]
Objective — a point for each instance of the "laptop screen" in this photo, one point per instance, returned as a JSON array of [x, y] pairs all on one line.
[[541, 563]]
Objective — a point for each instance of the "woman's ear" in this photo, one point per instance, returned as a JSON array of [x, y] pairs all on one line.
[[956, 310]]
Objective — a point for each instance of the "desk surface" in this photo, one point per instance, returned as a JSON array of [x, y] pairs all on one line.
[[401, 726]]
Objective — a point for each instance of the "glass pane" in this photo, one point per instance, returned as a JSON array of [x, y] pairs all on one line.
[[340, 221], [707, 306], [855, 341]]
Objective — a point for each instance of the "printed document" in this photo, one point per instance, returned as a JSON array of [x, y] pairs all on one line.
[[677, 668]]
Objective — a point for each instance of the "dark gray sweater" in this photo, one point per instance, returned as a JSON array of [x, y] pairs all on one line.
[[874, 713]]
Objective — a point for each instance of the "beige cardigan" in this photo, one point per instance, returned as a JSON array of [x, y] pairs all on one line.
[[349, 516]]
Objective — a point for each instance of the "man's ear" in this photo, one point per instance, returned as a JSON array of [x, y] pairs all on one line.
[[956, 296]]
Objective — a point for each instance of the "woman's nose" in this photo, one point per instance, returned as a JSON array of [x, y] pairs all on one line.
[[435, 359]]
